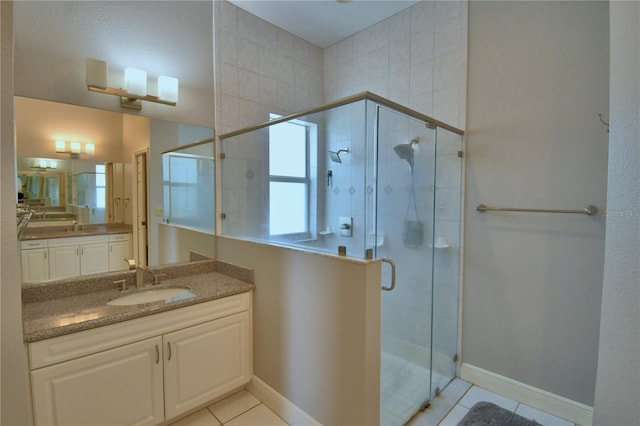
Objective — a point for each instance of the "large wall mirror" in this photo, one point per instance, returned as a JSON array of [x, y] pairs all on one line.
[[94, 187], [86, 186]]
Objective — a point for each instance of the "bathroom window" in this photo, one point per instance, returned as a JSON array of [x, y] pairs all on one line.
[[289, 178], [101, 187]]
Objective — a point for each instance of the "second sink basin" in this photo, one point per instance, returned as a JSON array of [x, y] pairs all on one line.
[[168, 294]]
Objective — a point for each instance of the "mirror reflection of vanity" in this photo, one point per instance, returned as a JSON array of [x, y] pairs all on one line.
[[68, 192], [96, 193], [66, 186]]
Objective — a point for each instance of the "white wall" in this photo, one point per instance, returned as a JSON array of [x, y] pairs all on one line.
[[316, 329], [168, 37], [14, 406], [618, 381], [40, 123], [538, 77]]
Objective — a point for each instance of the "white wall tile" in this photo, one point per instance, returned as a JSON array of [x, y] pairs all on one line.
[[422, 18], [285, 44], [379, 62], [448, 37], [268, 91], [345, 50], [228, 17], [421, 78], [448, 71], [285, 70], [250, 87], [268, 63], [422, 47], [400, 55], [228, 48], [361, 43], [247, 54], [379, 35], [228, 79], [400, 26], [248, 25]]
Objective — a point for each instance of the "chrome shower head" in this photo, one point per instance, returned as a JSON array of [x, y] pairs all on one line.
[[405, 151], [335, 156]]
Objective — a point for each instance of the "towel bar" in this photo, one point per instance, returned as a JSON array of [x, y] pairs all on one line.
[[589, 210]]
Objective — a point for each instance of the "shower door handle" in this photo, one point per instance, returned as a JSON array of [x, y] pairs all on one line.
[[393, 274]]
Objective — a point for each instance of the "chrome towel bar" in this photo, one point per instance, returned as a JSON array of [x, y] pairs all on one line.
[[589, 210]]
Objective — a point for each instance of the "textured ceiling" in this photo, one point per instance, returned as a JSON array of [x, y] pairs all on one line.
[[323, 22]]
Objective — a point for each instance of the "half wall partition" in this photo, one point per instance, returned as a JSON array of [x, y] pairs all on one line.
[[364, 177]]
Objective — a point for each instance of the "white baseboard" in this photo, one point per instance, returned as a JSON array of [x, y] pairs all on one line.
[[280, 405], [537, 398]]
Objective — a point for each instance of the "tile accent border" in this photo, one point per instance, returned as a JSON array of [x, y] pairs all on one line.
[[279, 404], [537, 398]]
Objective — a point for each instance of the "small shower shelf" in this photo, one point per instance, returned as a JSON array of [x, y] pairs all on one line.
[[374, 239], [327, 231], [442, 243]]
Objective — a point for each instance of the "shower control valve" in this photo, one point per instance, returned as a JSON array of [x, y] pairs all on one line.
[[345, 225]]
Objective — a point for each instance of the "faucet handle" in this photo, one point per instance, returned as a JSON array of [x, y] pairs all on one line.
[[157, 278], [122, 284], [131, 263]]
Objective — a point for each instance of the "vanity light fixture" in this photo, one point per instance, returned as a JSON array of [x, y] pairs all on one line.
[[44, 165], [75, 149], [135, 86]]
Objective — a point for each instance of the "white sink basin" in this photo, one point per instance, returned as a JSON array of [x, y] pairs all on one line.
[[168, 294]]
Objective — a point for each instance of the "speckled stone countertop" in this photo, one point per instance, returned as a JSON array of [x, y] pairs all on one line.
[[44, 232], [64, 307]]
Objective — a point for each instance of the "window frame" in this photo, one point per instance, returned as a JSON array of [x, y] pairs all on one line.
[[310, 132]]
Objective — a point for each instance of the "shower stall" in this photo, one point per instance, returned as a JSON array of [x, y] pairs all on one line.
[[369, 178]]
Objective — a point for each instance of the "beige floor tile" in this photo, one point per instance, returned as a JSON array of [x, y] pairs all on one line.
[[233, 406], [199, 418], [257, 416]]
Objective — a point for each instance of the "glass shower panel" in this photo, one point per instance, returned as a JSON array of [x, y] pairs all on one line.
[[448, 199], [404, 233], [188, 196], [317, 162]]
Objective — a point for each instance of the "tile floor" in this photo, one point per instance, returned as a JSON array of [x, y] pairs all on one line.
[[239, 409], [401, 384], [243, 409], [464, 396]]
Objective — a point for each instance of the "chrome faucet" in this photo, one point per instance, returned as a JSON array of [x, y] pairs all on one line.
[[140, 270]]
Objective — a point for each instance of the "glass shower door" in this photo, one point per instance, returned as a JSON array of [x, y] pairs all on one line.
[[403, 220], [446, 258]]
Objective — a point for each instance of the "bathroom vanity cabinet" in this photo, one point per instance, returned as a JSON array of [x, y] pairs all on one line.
[[144, 371], [60, 258]]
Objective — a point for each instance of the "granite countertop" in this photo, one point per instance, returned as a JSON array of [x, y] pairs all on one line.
[[43, 232], [51, 312]]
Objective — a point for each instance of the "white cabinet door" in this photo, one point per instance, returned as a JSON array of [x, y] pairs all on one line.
[[121, 386], [94, 258], [205, 361], [118, 251], [64, 262], [35, 265]]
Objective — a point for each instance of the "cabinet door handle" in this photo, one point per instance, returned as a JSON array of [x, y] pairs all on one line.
[[45, 255], [157, 355], [169, 348]]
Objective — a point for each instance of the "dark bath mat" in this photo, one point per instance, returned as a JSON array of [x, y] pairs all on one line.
[[488, 414]]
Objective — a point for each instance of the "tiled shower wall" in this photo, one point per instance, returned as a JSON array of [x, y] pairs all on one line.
[[261, 69], [416, 58]]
